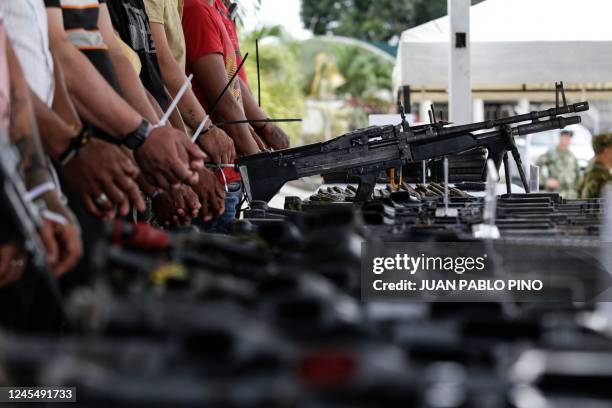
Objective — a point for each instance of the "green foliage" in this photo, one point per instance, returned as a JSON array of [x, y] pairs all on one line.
[[364, 19], [318, 15], [288, 71], [281, 80], [365, 73], [380, 20]]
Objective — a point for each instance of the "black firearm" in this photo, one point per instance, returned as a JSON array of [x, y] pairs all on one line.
[[365, 153]]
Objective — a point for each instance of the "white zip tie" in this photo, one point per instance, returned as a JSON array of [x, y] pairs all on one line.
[[40, 190], [200, 128], [56, 181], [175, 102], [55, 217], [220, 166], [224, 180]]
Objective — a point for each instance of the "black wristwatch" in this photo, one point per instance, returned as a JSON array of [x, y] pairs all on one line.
[[137, 138]]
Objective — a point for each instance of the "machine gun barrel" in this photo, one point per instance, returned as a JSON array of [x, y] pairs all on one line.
[[511, 120]]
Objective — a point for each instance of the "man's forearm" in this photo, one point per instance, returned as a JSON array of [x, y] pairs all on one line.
[[189, 106], [24, 135], [57, 134], [211, 76], [174, 77], [176, 120], [62, 103], [106, 109], [132, 88], [23, 132], [109, 111], [228, 110]]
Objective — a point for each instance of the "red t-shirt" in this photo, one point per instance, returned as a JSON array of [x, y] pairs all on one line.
[[230, 26], [205, 34]]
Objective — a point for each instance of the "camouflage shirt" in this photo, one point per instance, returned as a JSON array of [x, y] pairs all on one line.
[[562, 166], [595, 178]]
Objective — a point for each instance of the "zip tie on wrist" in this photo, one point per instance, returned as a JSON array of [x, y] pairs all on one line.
[[224, 181], [76, 144], [175, 101], [40, 190], [55, 217], [220, 168], [56, 181], [198, 131]]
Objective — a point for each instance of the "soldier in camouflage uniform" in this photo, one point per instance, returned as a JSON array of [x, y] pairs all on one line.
[[559, 168], [598, 172]]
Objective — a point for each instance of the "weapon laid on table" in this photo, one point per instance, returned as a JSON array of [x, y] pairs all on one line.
[[365, 153]]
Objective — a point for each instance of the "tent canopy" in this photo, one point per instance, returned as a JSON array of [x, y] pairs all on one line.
[[518, 48]]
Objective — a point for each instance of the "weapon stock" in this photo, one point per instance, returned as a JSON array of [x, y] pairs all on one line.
[[364, 153]]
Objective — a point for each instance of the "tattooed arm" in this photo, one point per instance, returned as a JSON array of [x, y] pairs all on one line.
[[24, 133], [62, 241]]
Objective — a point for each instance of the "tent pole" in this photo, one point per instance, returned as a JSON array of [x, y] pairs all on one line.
[[460, 94]]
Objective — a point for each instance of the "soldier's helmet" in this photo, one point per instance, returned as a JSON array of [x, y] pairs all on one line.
[[600, 142]]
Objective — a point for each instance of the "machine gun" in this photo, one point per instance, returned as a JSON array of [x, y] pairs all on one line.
[[364, 153]]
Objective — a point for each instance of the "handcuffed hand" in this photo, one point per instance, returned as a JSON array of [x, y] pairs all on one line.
[[104, 176], [274, 136], [177, 207], [211, 195], [168, 158], [218, 145]]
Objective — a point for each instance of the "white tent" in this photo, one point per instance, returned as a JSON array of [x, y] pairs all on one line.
[[519, 48]]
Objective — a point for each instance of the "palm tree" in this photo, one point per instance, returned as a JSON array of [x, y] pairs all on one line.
[[247, 8]]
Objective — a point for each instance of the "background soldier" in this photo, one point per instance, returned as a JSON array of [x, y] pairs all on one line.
[[560, 168], [598, 172]]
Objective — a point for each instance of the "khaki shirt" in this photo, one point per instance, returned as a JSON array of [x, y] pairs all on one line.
[[169, 13]]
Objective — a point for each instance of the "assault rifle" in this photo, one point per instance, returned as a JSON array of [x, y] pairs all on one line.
[[364, 153]]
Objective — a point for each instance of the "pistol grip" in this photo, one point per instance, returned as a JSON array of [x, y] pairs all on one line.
[[367, 183]]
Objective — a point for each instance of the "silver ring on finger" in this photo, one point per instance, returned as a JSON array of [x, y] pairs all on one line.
[[101, 200]]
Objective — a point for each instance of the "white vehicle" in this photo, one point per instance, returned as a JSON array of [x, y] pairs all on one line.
[[533, 146]]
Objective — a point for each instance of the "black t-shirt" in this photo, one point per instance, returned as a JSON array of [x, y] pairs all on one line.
[[81, 25], [131, 22]]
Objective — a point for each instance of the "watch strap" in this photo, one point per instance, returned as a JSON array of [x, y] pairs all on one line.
[[137, 138]]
